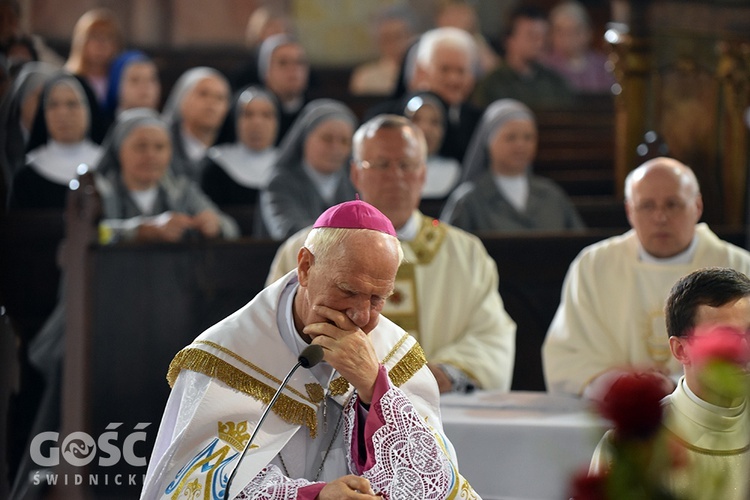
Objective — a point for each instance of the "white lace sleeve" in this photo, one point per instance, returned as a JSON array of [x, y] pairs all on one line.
[[409, 462], [272, 484]]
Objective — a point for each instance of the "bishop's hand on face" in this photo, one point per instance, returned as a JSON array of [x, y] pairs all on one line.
[[347, 348]]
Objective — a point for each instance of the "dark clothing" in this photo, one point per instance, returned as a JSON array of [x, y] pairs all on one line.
[[181, 164], [32, 191], [222, 189], [459, 131], [542, 89], [286, 120], [291, 202], [479, 206]]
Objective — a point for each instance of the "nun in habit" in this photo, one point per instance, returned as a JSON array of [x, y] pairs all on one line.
[[501, 193], [286, 73], [428, 113], [141, 199], [17, 113], [59, 143], [312, 172], [234, 173], [194, 111]]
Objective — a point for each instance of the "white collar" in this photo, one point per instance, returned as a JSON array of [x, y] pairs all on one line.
[[514, 188], [719, 410], [59, 162], [409, 230], [325, 184], [684, 257], [442, 176], [248, 168], [293, 105], [194, 149], [145, 199]]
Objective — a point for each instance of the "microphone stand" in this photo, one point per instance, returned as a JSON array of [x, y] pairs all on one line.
[[310, 357]]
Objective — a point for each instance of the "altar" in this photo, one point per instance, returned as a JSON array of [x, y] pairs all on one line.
[[520, 445]]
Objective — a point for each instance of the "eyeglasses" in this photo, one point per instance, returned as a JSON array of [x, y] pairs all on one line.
[[671, 208], [405, 166]]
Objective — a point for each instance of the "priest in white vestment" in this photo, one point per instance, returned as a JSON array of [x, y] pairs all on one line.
[[610, 316], [446, 292], [707, 423], [364, 423]]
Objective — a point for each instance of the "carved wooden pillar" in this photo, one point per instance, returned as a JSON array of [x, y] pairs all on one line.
[[733, 72], [684, 69], [632, 57]]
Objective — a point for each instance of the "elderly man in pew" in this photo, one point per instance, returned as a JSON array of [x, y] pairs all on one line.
[[446, 292], [610, 316]]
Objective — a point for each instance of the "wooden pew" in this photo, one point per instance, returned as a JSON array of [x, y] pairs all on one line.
[[576, 146]]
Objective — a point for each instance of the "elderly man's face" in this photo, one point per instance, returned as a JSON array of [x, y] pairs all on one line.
[[356, 279], [663, 211], [391, 174], [450, 74]]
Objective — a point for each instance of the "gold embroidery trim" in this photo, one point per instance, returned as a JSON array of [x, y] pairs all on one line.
[[405, 289], [286, 408], [395, 348], [289, 410], [408, 365], [253, 367], [339, 386], [315, 391], [428, 241]]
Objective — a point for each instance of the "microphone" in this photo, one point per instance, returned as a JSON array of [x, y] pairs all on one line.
[[309, 357]]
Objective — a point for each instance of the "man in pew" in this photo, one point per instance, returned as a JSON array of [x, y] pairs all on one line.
[[610, 316], [445, 64], [446, 291], [340, 428]]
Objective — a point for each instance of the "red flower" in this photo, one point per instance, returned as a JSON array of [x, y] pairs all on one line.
[[586, 487], [633, 404]]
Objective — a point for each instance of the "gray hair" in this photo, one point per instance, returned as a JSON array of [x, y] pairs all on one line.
[[573, 9], [322, 240], [388, 121], [679, 169], [447, 36]]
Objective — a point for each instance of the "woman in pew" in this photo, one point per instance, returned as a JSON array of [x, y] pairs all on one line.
[[97, 38], [133, 83], [17, 113], [141, 199], [428, 113], [59, 143], [500, 192], [235, 172], [312, 172], [195, 110]]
